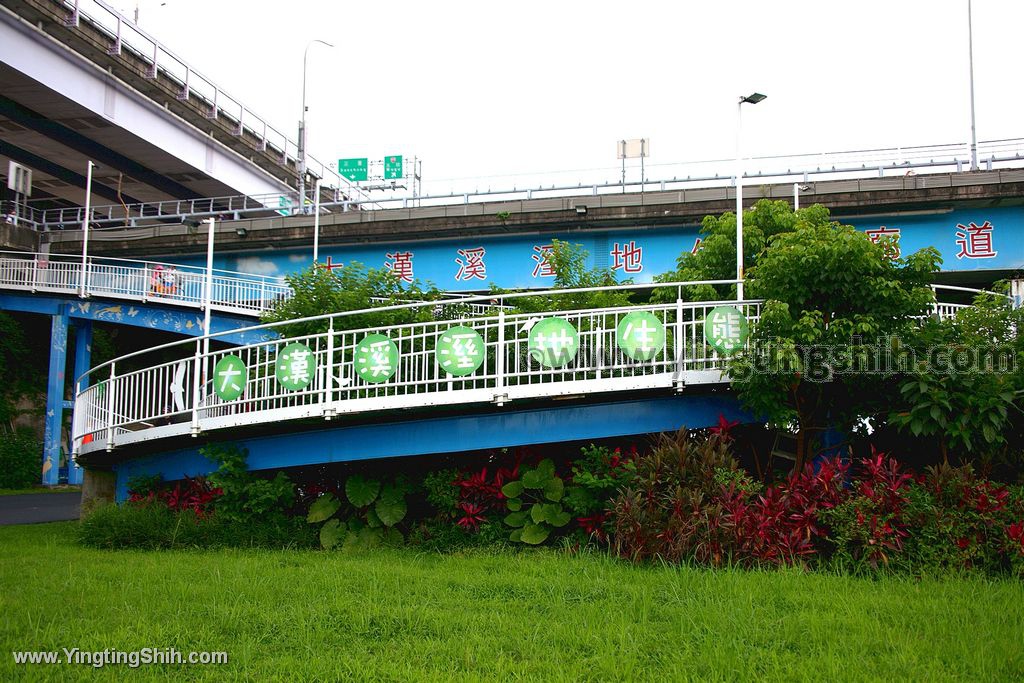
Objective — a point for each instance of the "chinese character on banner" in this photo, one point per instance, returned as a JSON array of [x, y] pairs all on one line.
[[975, 240], [400, 264], [628, 257], [542, 255], [696, 246], [296, 365], [725, 329], [473, 266], [460, 351], [892, 250], [330, 265]]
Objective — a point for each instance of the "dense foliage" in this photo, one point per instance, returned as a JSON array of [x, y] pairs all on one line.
[[19, 460], [348, 287], [685, 500]]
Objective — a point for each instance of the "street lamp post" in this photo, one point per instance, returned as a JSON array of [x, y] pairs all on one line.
[[208, 289], [316, 221], [753, 98], [302, 128], [85, 229], [970, 62]]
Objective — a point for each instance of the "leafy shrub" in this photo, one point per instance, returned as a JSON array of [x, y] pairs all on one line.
[[245, 496], [534, 503], [20, 460], [371, 515], [193, 494], [597, 476], [442, 493]]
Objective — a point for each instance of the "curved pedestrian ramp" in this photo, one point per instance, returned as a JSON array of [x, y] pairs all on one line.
[[326, 389]]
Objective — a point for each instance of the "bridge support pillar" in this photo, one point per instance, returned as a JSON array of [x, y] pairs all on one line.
[[55, 396], [83, 356]]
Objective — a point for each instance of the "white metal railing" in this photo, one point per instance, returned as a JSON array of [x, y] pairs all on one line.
[[688, 175], [122, 403], [141, 281]]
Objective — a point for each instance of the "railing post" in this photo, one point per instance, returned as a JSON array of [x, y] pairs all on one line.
[[499, 362], [196, 386], [680, 344], [111, 389], [327, 396]]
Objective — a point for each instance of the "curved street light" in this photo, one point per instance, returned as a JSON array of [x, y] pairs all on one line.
[[302, 127], [753, 98]]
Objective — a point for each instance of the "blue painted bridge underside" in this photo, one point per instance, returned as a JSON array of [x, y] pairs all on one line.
[[152, 316], [450, 434]]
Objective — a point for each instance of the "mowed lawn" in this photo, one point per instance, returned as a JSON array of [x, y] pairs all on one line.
[[536, 615]]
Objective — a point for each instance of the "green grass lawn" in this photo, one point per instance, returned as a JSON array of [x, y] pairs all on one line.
[[401, 615]]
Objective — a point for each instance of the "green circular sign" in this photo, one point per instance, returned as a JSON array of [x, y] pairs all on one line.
[[376, 358], [553, 342], [229, 378], [296, 366], [460, 351], [726, 329], [640, 335]]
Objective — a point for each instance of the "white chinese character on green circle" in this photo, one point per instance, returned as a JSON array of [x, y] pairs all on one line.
[[460, 351], [230, 376], [726, 329], [553, 342], [295, 366], [376, 358], [640, 335]]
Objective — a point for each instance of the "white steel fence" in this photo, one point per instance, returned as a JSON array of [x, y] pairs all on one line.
[[142, 281], [338, 371]]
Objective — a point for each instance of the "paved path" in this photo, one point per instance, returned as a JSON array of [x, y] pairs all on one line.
[[32, 508]]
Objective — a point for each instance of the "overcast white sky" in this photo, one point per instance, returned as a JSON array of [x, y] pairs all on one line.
[[482, 89]]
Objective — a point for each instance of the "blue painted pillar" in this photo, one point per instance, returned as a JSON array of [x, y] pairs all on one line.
[[55, 396], [83, 355]]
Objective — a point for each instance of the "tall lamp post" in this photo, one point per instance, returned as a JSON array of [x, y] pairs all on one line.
[[208, 288], [970, 62], [316, 221], [302, 127], [82, 291], [753, 98]]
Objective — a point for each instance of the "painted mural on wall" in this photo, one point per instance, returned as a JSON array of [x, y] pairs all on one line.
[[968, 239]]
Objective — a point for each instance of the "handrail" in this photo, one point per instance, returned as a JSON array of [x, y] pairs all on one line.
[[183, 285], [971, 290], [329, 379], [895, 159], [408, 306], [117, 407], [500, 297]]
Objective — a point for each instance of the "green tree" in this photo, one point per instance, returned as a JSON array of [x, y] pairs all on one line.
[[833, 301], [352, 287], [716, 257], [970, 408], [18, 376], [569, 263]]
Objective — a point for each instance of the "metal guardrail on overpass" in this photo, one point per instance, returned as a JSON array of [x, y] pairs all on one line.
[[370, 370], [180, 285], [231, 292], [125, 36], [805, 168]]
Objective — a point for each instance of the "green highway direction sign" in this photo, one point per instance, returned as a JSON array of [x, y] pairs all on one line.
[[393, 167], [354, 169]]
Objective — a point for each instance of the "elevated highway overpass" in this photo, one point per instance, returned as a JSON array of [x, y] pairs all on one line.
[[81, 82]]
